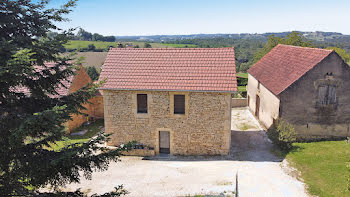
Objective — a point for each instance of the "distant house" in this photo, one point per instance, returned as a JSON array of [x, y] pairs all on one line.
[[70, 85], [308, 87], [175, 101]]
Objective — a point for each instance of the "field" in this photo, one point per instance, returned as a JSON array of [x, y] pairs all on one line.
[[79, 44], [323, 166]]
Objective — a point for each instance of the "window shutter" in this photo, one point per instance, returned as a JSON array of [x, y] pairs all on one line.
[[332, 95], [179, 104], [327, 95], [141, 103], [322, 95]]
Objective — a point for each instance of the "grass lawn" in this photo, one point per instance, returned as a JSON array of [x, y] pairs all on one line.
[[77, 44], [323, 166], [242, 88], [92, 128], [244, 75]]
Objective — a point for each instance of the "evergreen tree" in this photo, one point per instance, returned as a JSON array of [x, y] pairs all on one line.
[[92, 72], [31, 112]]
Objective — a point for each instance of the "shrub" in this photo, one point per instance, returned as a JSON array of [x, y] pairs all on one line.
[[282, 134]]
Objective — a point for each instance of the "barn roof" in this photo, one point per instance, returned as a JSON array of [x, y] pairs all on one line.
[[285, 64], [171, 69], [62, 89]]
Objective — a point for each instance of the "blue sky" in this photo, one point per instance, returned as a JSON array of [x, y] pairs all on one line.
[[155, 17]]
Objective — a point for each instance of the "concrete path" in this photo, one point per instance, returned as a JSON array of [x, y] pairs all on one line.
[[260, 172]]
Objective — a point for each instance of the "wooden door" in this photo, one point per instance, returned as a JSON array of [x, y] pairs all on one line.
[[164, 142], [257, 106]]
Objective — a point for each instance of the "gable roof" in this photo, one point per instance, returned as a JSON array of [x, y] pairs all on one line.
[[171, 69], [285, 64], [62, 90]]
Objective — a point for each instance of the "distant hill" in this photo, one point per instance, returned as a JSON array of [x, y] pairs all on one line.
[[320, 38], [318, 35]]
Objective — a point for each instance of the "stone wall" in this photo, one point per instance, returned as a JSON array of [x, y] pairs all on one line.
[[239, 102], [204, 129], [97, 107], [299, 101], [269, 103], [80, 80]]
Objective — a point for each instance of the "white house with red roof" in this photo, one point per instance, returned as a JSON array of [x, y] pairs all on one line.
[[175, 101], [308, 87]]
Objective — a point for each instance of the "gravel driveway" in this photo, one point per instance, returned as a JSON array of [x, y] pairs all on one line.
[[260, 173]]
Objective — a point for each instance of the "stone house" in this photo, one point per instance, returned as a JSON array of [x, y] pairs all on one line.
[[175, 101], [308, 87]]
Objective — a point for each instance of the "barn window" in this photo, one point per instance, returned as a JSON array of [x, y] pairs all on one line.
[[142, 103], [327, 94], [179, 104]]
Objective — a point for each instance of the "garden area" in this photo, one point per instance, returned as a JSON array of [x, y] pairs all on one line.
[[79, 135], [323, 166]]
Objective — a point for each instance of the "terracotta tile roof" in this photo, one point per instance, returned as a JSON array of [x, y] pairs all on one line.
[[61, 90], [285, 64], [187, 69]]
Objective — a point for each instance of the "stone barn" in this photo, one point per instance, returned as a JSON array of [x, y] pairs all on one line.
[[308, 87], [172, 101]]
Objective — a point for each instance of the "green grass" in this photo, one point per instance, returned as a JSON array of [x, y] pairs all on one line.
[[242, 88], [93, 129], [245, 75], [78, 44], [323, 166]]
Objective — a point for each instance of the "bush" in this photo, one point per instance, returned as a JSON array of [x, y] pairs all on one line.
[[282, 134]]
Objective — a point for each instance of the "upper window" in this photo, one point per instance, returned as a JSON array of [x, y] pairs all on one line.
[[327, 94], [142, 103], [179, 104]]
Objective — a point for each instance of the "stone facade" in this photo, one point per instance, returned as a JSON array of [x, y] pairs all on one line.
[[203, 130], [299, 101], [93, 109], [97, 107]]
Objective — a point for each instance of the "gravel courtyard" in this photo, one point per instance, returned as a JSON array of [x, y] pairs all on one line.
[[260, 173]]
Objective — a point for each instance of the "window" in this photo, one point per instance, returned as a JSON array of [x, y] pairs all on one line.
[[142, 103], [327, 94], [179, 104]]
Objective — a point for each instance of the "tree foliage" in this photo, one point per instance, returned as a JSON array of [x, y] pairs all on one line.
[[294, 38], [342, 53], [282, 134], [92, 72], [87, 36], [84, 35], [147, 45], [32, 113]]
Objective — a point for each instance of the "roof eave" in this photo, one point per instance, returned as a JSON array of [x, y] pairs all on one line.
[[218, 91]]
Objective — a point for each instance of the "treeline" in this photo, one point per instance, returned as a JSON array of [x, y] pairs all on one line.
[[87, 36], [245, 49], [249, 51]]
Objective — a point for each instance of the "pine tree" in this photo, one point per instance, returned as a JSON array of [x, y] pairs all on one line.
[[31, 120]]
